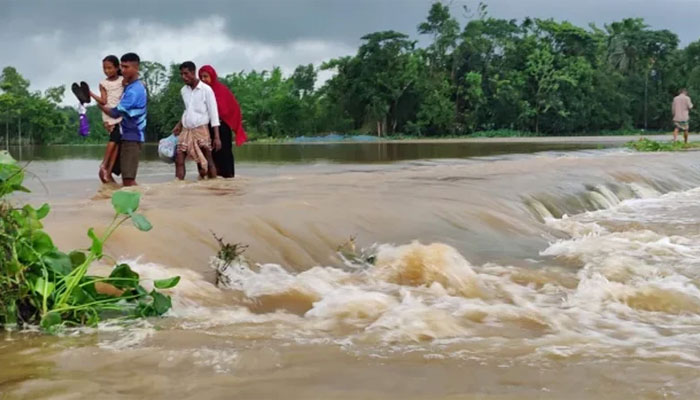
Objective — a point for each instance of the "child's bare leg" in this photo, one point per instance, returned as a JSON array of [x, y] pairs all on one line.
[[103, 171], [111, 155]]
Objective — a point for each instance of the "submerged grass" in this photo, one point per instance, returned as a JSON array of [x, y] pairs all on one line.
[[41, 285], [648, 145]]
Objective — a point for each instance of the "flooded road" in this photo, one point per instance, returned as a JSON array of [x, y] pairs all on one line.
[[563, 272]]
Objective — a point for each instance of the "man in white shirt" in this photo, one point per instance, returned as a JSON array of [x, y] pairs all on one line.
[[192, 131]]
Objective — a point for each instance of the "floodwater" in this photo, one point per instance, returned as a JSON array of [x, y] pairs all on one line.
[[522, 272]]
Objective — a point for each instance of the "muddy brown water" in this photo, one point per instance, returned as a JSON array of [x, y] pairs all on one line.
[[520, 273]]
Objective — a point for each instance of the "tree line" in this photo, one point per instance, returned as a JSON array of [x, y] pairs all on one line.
[[472, 73]]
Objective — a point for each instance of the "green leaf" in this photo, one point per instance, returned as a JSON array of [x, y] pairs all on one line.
[[11, 178], [42, 243], [126, 277], [59, 262], [50, 320], [43, 287], [89, 288], [20, 188], [167, 283], [96, 247], [77, 258], [26, 253], [125, 202], [42, 212], [14, 266], [82, 295], [161, 303], [141, 291], [141, 223]]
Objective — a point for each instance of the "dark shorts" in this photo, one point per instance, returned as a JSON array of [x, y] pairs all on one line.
[[116, 134], [682, 125], [129, 155]]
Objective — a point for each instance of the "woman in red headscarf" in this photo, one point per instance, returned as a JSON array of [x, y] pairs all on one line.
[[231, 119]]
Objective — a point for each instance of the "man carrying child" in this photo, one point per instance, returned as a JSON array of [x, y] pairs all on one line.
[[132, 110]]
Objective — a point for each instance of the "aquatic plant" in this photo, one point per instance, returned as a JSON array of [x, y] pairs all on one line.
[[647, 145], [228, 256], [41, 285]]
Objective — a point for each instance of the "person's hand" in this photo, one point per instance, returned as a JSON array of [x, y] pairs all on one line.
[[217, 144]]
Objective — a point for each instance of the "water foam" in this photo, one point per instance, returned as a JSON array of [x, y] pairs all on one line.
[[627, 290]]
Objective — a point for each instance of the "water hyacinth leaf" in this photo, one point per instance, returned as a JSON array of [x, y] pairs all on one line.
[[89, 287], [33, 223], [141, 223], [20, 188], [11, 176], [14, 266], [59, 262], [96, 247], [30, 211], [26, 253], [43, 211], [42, 243], [141, 291], [77, 258], [125, 202], [81, 295], [14, 180], [43, 287], [161, 303], [167, 283], [144, 309], [123, 277], [50, 321]]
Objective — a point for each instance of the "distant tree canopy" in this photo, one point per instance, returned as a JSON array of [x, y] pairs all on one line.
[[482, 74]]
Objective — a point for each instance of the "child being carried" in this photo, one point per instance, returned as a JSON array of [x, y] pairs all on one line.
[[111, 89]]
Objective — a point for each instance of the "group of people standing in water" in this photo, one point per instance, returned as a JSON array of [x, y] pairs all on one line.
[[212, 120]]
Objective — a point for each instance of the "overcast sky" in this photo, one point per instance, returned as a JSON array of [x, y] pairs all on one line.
[[56, 42]]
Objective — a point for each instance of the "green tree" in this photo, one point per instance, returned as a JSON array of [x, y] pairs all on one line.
[[154, 76], [12, 82]]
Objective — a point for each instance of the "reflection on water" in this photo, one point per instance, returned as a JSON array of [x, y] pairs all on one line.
[[341, 152]]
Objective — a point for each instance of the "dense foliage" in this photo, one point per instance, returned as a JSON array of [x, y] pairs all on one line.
[[40, 285], [480, 74]]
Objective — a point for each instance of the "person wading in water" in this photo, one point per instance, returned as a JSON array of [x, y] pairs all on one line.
[[192, 131]]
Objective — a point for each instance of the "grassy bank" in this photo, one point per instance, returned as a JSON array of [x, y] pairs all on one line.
[[647, 145]]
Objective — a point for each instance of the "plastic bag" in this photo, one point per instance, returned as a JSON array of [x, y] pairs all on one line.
[[166, 149], [84, 126]]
